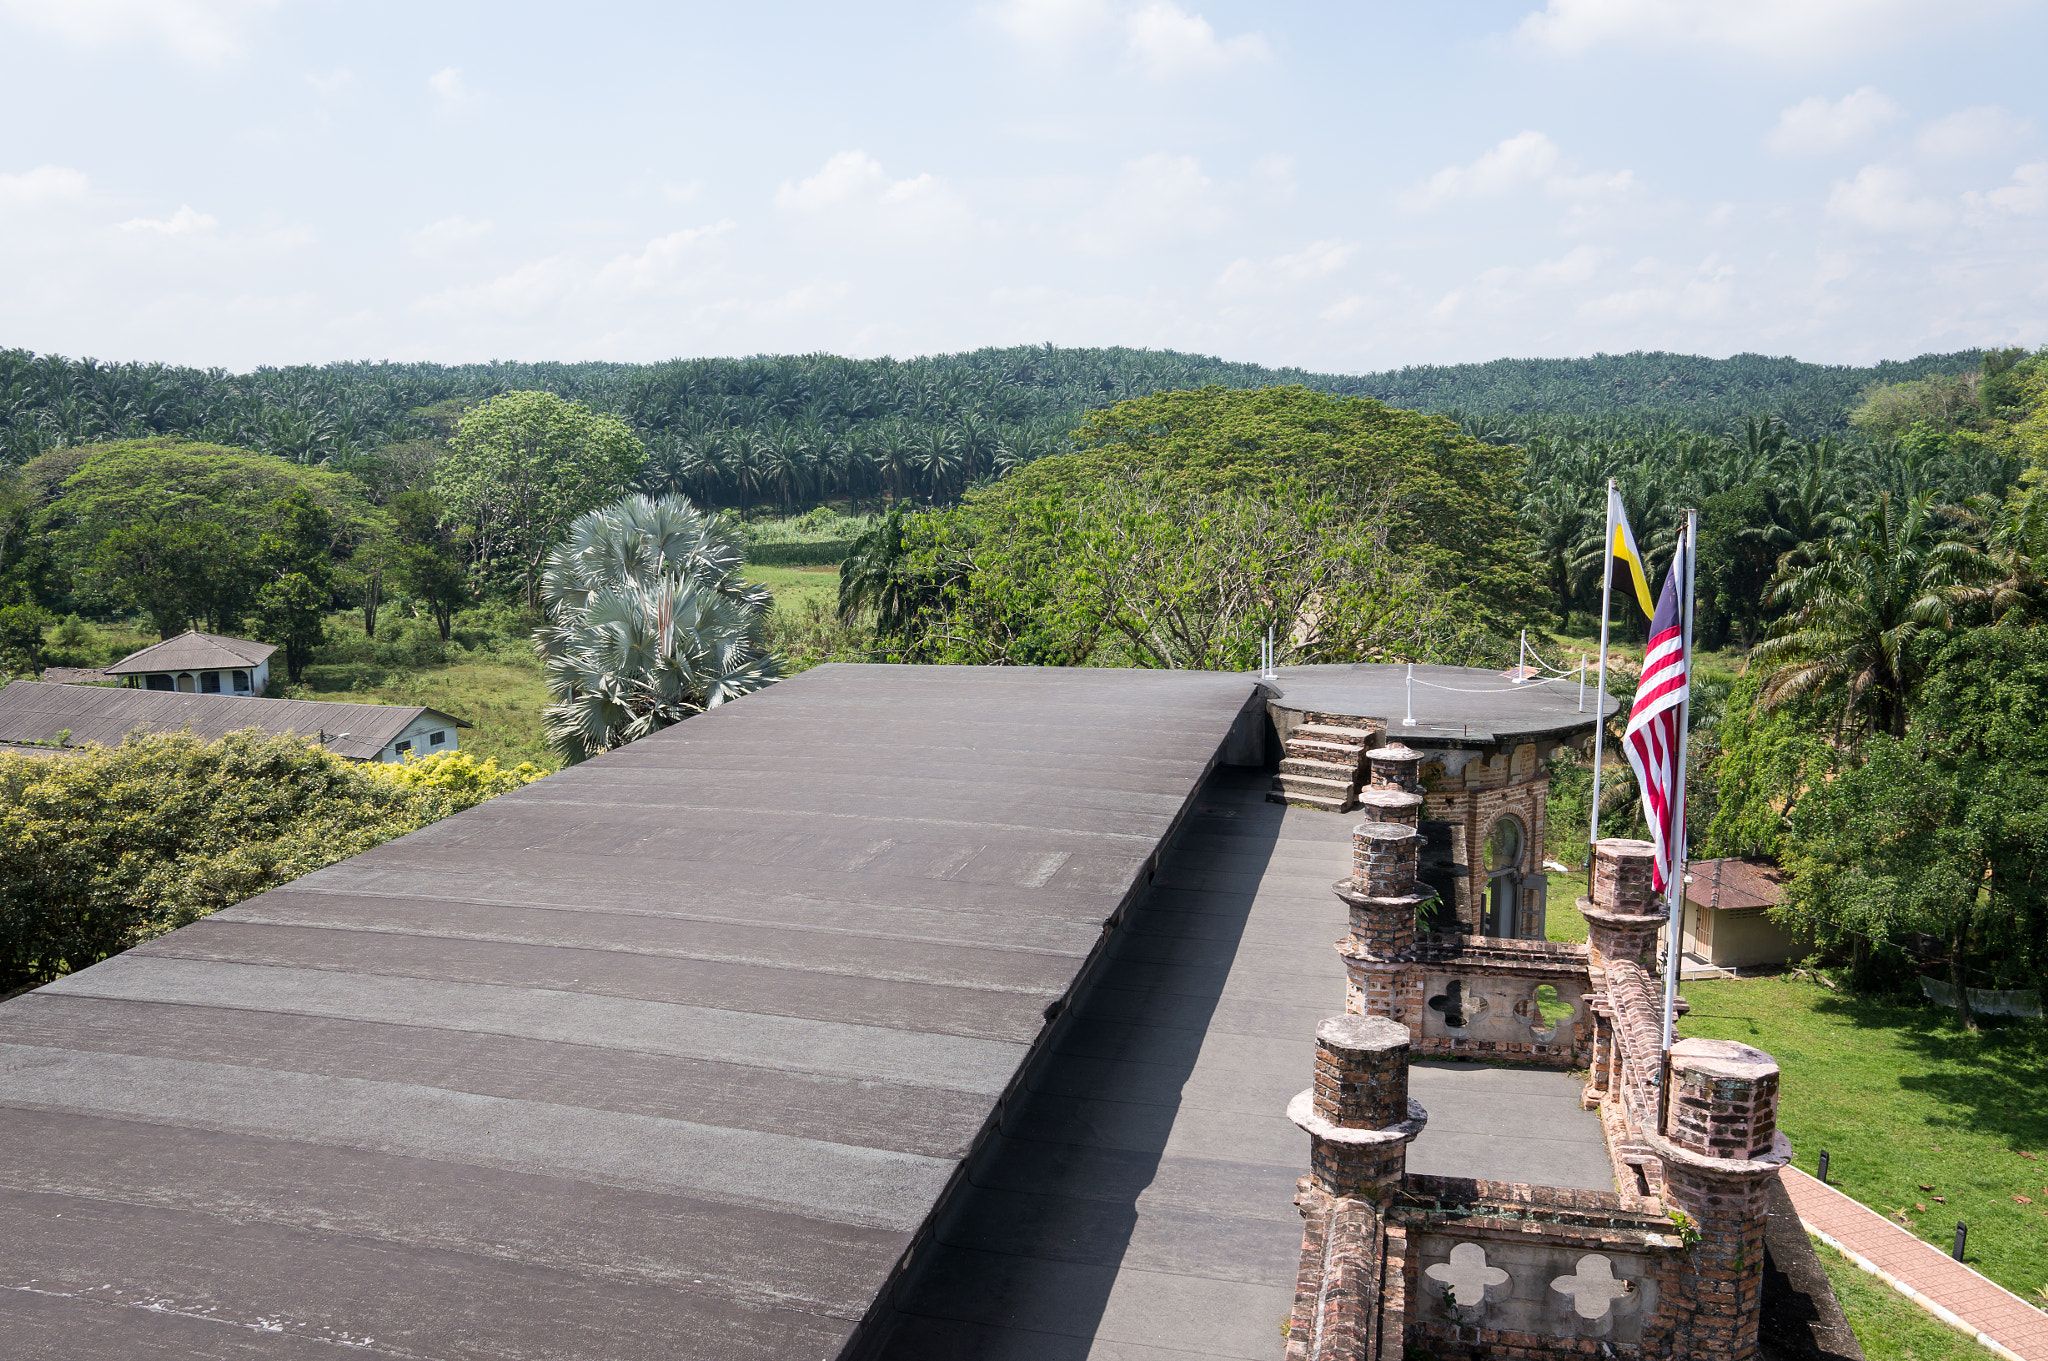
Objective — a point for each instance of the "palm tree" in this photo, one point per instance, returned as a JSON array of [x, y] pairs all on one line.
[[648, 624], [872, 576], [1858, 609]]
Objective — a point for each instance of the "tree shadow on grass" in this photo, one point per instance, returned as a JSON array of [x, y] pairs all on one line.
[[1992, 1080]]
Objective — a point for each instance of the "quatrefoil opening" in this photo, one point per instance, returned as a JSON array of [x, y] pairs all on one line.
[[1469, 1284], [1595, 1292]]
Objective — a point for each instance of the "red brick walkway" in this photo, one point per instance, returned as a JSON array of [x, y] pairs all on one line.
[[1944, 1287]]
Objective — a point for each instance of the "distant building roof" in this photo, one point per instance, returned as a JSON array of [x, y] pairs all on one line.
[[1734, 884], [193, 651], [75, 675], [33, 711]]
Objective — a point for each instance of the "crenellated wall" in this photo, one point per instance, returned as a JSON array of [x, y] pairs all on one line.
[[1669, 1265]]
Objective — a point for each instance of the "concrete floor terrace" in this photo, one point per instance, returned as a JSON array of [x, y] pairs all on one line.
[[1136, 1204]]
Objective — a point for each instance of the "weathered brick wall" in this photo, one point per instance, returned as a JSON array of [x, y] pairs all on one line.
[[1536, 1251], [1338, 1295], [1473, 810]]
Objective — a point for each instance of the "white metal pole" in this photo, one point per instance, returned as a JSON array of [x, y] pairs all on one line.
[[1600, 690], [1582, 682], [1675, 890], [1409, 721], [1522, 657]]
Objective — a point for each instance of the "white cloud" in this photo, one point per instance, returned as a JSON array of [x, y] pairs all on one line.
[[1818, 126], [1699, 294], [522, 292], [331, 82], [1969, 133], [448, 85], [1050, 23], [448, 233], [1160, 38], [1776, 30], [851, 190], [1156, 199], [1167, 41], [44, 184], [181, 223], [1496, 290], [1316, 261], [1522, 160], [666, 262], [197, 30], [2026, 196], [1526, 160], [1881, 199]]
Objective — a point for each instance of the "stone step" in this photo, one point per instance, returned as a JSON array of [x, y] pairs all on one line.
[[1364, 725], [1326, 770], [1325, 732], [1323, 751], [1310, 784], [1318, 801]]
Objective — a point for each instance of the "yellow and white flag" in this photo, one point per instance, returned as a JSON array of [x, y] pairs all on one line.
[[1624, 547]]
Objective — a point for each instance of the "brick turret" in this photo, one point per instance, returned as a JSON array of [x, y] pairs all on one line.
[[1358, 1114], [1383, 897], [1394, 793], [1623, 916], [1721, 1148]]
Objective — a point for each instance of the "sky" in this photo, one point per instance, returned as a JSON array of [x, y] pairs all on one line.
[[1347, 187]]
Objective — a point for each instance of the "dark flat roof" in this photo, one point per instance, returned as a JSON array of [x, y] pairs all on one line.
[[1453, 705], [35, 711], [668, 1055]]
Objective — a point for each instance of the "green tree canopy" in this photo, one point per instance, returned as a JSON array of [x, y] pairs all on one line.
[[1448, 500], [523, 465], [173, 482], [1943, 832]]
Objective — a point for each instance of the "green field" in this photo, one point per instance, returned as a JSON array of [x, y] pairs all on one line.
[[500, 697], [1890, 1326], [500, 690], [1904, 1099]]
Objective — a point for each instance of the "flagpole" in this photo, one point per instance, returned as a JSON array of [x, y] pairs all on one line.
[[1600, 691], [1675, 890]]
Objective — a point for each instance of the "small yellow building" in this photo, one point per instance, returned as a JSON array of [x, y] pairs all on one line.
[[1727, 922]]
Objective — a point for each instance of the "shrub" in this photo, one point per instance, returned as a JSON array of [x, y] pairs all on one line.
[[114, 845]]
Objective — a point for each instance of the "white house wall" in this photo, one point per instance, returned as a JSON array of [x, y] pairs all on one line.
[[419, 733]]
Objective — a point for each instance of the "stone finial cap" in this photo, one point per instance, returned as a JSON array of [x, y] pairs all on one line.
[[1722, 1058], [1396, 750], [1385, 831], [1622, 847], [1362, 1034]]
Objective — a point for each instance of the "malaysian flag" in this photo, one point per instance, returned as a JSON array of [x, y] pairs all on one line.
[[1654, 724]]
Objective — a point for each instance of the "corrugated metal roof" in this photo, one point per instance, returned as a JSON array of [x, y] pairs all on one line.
[[1735, 884], [34, 711], [193, 651]]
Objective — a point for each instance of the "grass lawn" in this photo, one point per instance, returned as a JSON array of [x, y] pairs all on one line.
[[1890, 1326], [1561, 919], [1902, 1098], [502, 699], [503, 695]]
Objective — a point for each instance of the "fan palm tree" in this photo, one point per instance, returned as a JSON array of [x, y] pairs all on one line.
[[1858, 609], [648, 624]]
